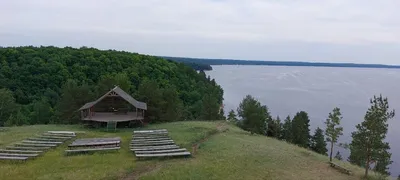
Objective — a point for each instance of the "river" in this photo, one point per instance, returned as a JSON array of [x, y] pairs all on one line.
[[316, 90]]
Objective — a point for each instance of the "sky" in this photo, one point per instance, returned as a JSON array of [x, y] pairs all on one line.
[[358, 31]]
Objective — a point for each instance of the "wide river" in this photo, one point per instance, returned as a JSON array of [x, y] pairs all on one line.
[[316, 90]]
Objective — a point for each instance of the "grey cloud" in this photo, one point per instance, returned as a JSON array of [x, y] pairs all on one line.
[[331, 30]]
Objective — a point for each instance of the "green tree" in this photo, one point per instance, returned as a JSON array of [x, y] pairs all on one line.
[[150, 93], [210, 109], [333, 129], [398, 177], [17, 119], [368, 144], [338, 156], [274, 128], [287, 133], [222, 114], [172, 106], [254, 115], [7, 105], [73, 97], [41, 112], [107, 82], [318, 143], [301, 130], [232, 116]]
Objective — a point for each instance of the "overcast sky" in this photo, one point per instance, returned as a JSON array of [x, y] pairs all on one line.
[[362, 31]]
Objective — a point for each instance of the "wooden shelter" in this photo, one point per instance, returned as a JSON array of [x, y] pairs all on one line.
[[113, 107]]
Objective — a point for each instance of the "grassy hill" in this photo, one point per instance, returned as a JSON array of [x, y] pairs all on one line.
[[233, 154]]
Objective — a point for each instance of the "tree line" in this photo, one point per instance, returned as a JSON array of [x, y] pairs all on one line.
[[368, 148], [41, 85]]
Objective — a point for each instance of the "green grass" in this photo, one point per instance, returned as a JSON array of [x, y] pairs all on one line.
[[229, 155]]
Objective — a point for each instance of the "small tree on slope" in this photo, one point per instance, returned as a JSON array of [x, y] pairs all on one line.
[[301, 130], [254, 115], [318, 143], [367, 145], [333, 130], [287, 133], [232, 116], [338, 156]]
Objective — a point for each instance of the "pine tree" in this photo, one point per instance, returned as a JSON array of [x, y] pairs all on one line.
[[222, 114], [318, 143], [254, 115], [333, 130], [274, 128], [368, 144], [279, 127], [300, 129], [338, 156], [287, 134], [232, 116]]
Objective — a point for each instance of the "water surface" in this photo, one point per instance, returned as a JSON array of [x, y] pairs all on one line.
[[316, 90]]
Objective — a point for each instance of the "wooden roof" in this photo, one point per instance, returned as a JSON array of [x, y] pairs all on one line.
[[117, 90]]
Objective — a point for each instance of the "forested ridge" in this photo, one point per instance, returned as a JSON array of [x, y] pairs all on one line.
[[48, 84], [204, 62]]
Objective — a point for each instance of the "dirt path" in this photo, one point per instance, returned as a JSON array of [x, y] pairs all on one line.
[[221, 127], [141, 171]]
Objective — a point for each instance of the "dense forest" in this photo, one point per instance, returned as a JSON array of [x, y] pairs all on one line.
[[274, 63], [40, 85]]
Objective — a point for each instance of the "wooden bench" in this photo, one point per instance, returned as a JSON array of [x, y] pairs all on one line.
[[41, 142], [13, 158], [58, 135], [164, 154], [53, 137], [150, 141], [20, 151], [152, 138], [27, 148], [152, 144], [147, 133], [35, 145], [19, 155], [116, 143], [147, 148], [340, 168], [150, 131], [45, 139], [90, 150], [160, 151]]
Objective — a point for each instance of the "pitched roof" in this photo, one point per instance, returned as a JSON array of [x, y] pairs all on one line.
[[122, 94]]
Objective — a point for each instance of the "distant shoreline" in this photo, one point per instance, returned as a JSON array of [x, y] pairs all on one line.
[[209, 62]]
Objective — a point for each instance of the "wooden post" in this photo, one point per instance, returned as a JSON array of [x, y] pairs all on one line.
[[136, 113]]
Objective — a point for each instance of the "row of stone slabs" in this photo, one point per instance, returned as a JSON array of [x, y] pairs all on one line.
[[35, 146], [155, 143]]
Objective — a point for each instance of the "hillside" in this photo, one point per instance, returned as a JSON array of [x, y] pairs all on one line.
[[234, 154], [48, 84]]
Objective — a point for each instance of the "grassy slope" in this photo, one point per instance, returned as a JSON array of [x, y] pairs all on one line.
[[231, 155]]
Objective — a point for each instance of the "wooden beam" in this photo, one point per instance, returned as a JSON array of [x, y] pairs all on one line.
[[160, 151], [13, 158], [19, 155], [19, 151]]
